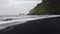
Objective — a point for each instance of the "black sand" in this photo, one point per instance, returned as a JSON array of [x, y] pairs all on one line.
[[40, 26]]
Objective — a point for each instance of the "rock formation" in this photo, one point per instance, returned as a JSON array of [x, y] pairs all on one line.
[[46, 7]]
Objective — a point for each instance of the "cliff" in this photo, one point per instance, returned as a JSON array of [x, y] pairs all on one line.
[[46, 7]]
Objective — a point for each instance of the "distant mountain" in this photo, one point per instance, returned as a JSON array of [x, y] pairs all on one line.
[[46, 7]]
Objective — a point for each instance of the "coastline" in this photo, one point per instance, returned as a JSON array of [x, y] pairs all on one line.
[[41, 26]]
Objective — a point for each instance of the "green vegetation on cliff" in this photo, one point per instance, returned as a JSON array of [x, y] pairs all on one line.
[[47, 7]]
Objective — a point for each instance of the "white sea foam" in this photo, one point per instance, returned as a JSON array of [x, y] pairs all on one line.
[[21, 19]]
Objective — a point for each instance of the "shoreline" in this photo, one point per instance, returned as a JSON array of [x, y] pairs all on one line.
[[42, 26]]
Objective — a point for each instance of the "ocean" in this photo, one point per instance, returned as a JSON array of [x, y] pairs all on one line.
[[10, 20]]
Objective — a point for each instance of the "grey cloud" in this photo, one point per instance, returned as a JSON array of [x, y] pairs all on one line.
[[27, 0], [4, 1], [13, 8]]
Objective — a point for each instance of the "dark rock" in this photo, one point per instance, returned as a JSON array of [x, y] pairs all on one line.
[[7, 19], [46, 7]]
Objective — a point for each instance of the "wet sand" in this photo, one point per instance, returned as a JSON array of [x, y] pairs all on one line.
[[40, 26]]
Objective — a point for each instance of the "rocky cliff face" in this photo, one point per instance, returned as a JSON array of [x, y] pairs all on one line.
[[46, 7]]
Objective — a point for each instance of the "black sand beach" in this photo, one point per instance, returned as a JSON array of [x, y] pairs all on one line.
[[40, 26]]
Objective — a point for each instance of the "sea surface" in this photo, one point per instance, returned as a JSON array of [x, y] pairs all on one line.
[[10, 20]]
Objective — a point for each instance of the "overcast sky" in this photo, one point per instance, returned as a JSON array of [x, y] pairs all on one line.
[[14, 7]]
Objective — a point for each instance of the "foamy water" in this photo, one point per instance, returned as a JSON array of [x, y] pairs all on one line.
[[20, 19]]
